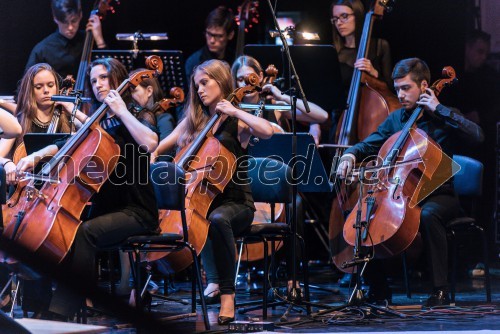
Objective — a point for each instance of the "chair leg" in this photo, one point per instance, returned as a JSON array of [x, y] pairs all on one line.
[[405, 275], [265, 286], [137, 278], [239, 262], [305, 268], [453, 264], [486, 263], [197, 274]]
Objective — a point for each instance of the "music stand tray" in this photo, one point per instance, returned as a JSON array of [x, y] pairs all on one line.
[[173, 64], [36, 141], [311, 175], [317, 65]]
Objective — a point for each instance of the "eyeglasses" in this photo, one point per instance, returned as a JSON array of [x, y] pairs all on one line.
[[342, 18], [218, 37]]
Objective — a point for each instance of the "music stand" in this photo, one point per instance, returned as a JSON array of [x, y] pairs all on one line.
[[318, 66], [36, 141], [308, 175], [311, 175], [173, 64]]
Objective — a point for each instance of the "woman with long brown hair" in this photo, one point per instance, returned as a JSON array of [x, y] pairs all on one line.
[[34, 111]]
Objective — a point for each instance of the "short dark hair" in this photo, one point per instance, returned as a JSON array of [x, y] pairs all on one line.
[[416, 67], [221, 17], [476, 35], [62, 8]]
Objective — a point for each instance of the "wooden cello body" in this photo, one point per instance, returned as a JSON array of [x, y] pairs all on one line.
[[43, 214], [412, 166], [209, 167], [369, 103]]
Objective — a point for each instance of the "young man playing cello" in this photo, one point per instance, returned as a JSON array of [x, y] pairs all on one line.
[[445, 126]]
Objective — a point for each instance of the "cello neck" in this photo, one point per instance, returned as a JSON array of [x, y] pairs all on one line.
[[67, 149], [198, 141]]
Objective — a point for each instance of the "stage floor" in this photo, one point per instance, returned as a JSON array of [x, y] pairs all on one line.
[[471, 312]]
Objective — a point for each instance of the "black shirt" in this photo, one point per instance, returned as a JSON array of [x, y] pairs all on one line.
[[379, 55], [446, 126], [59, 52], [128, 188], [238, 190], [204, 54]]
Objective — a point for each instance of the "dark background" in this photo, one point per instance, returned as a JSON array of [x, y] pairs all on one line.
[[429, 29]]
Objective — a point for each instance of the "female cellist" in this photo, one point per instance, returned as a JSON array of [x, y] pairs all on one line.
[[34, 111], [446, 127], [124, 206], [233, 210]]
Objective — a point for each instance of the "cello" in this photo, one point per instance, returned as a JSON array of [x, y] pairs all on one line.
[[209, 167], [176, 97], [368, 104], [413, 166], [43, 214]]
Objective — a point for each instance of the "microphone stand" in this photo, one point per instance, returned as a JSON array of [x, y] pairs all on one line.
[[294, 294]]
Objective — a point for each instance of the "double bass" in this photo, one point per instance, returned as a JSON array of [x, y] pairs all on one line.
[[368, 104], [412, 166], [43, 214], [209, 167]]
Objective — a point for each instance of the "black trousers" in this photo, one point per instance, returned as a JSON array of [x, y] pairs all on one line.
[[105, 231], [219, 253], [437, 211]]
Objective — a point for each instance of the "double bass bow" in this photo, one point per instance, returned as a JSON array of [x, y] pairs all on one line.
[[209, 167], [413, 165], [43, 216]]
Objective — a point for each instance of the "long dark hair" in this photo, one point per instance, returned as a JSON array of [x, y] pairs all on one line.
[[117, 73], [359, 16], [26, 104]]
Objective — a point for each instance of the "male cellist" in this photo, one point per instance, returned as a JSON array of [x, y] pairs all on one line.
[[444, 125]]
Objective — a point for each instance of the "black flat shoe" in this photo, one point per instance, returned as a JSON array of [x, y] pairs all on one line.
[[221, 320], [438, 298], [210, 300]]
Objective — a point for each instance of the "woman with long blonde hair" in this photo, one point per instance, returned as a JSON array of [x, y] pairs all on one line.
[[232, 211]]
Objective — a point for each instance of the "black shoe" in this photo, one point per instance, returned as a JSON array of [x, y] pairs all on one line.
[[210, 300], [221, 320], [438, 298]]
